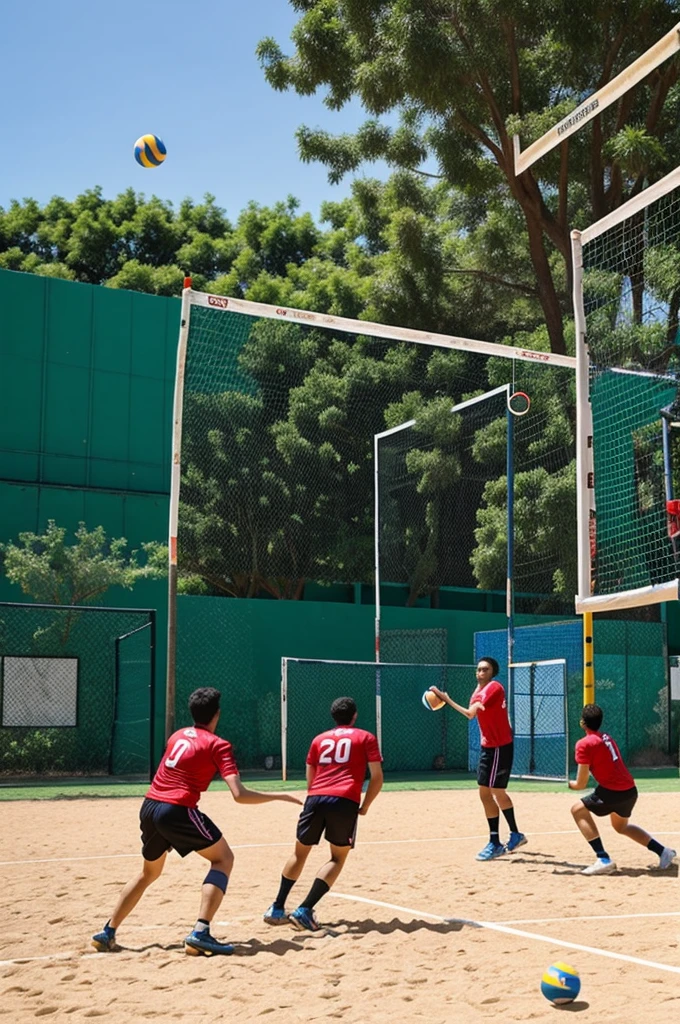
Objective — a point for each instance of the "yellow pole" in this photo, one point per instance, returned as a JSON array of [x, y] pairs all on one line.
[[588, 663]]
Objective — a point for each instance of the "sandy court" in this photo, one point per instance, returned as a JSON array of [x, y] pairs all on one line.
[[387, 952]]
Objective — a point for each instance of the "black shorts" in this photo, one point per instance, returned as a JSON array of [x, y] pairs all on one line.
[[336, 815], [495, 765], [169, 826], [611, 801]]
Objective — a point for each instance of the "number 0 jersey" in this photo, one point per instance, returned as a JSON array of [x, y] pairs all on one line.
[[602, 755], [341, 757], [191, 760]]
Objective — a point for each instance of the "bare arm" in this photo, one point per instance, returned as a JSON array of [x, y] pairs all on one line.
[[470, 712], [582, 776], [374, 785], [250, 796]]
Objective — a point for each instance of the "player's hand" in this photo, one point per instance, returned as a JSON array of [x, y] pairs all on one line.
[[290, 799], [442, 694], [363, 810]]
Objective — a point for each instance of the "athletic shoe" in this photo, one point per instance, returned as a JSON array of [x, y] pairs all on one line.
[[666, 857], [602, 866], [516, 839], [275, 915], [304, 920], [104, 942], [203, 944], [491, 851]]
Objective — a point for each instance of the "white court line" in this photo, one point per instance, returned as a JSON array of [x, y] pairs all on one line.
[[590, 917], [272, 846], [504, 929]]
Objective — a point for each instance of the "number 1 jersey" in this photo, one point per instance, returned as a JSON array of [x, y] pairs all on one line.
[[340, 757]]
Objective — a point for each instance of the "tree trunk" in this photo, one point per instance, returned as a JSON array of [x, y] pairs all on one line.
[[548, 297]]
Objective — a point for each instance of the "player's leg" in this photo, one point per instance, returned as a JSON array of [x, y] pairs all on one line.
[[493, 775], [303, 917], [292, 869], [200, 942], [581, 813], [130, 896], [154, 850], [623, 826], [504, 802], [341, 825], [310, 827]]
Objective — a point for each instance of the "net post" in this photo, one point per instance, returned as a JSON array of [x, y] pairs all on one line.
[[588, 660], [509, 587], [171, 681], [284, 719]]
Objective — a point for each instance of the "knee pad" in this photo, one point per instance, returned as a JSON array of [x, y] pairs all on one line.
[[218, 878]]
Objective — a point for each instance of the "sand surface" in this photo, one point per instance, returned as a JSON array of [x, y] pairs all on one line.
[[387, 951]]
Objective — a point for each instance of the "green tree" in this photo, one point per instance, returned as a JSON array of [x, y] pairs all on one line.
[[464, 76], [52, 571]]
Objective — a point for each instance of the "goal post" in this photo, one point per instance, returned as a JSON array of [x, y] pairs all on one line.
[[414, 738]]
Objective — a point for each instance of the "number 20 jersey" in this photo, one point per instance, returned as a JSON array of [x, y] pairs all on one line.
[[191, 760], [340, 757]]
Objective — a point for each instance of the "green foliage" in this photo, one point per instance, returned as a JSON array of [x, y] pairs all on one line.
[[461, 79], [51, 571]]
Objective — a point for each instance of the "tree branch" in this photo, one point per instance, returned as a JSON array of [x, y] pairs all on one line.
[[495, 279]]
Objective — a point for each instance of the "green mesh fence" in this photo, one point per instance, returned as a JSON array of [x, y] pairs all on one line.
[[76, 694], [413, 737], [631, 679], [631, 299]]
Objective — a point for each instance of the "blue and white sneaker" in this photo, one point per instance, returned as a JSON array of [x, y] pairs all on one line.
[[304, 920], [105, 942], [275, 915], [203, 944], [516, 839], [491, 851]]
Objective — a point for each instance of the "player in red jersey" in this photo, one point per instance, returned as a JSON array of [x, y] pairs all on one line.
[[169, 818], [489, 706], [598, 755], [336, 769]]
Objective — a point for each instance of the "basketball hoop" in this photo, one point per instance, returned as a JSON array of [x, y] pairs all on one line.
[[673, 513], [519, 403]]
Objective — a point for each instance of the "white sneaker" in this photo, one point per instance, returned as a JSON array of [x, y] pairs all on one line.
[[602, 866], [666, 857]]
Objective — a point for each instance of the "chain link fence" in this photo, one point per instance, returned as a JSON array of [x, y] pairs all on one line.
[[76, 690]]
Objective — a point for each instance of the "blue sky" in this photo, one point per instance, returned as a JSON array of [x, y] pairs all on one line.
[[82, 79]]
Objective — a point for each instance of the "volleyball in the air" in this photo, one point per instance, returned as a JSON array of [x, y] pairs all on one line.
[[150, 151], [560, 984], [431, 701]]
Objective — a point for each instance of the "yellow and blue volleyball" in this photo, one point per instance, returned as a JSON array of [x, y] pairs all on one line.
[[560, 984], [150, 151]]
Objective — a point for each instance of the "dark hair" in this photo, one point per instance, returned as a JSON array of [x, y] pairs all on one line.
[[495, 667], [343, 710], [204, 704], [592, 716]]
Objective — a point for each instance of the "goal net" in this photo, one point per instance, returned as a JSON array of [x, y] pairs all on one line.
[[389, 702], [627, 301]]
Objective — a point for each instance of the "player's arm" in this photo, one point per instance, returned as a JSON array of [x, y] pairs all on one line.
[[582, 776], [243, 795], [375, 784], [470, 712]]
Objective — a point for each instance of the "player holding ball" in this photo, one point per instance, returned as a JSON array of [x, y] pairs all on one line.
[[489, 706]]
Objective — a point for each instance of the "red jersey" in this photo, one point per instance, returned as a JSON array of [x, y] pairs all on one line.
[[600, 752], [192, 758], [494, 724], [341, 756]]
